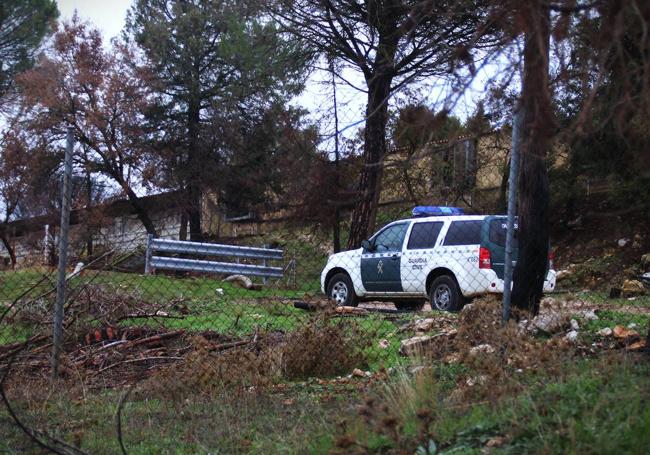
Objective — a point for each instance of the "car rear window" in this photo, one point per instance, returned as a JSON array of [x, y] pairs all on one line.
[[464, 233], [424, 235], [498, 229]]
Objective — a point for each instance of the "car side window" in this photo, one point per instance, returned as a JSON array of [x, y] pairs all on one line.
[[391, 238], [498, 231], [424, 235], [464, 233]]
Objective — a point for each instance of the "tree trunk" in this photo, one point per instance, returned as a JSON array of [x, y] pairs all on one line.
[[336, 228], [182, 233], [194, 212], [89, 202], [140, 211], [374, 150], [8, 247], [533, 184], [194, 166]]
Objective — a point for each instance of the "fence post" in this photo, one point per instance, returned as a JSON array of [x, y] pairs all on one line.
[[63, 254], [512, 209]]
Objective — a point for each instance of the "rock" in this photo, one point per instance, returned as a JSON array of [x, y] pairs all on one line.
[[606, 332], [241, 281], [632, 288], [454, 357], [563, 274], [496, 441], [383, 344], [623, 242], [481, 379], [357, 373], [638, 346], [551, 323], [645, 260], [481, 349], [467, 308], [417, 369], [632, 325], [624, 334], [424, 325], [219, 291], [572, 336], [589, 315], [450, 333], [415, 346], [575, 223], [574, 325]]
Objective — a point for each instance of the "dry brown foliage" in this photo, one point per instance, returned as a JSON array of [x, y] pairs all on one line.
[[323, 347]]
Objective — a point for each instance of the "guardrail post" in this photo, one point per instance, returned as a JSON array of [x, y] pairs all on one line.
[[265, 279], [147, 255]]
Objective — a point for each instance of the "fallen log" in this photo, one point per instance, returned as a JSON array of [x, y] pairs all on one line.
[[142, 359], [12, 346], [157, 314], [151, 339], [232, 344]]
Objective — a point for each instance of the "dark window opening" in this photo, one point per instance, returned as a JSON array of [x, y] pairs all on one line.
[[424, 235], [464, 233]]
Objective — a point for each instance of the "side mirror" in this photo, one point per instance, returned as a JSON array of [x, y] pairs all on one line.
[[366, 245]]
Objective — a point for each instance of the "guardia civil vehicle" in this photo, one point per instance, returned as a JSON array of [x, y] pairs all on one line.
[[440, 255]]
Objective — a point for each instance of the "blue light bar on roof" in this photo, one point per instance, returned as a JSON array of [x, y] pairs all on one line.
[[436, 210]]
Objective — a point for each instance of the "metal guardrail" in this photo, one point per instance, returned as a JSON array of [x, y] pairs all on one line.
[[153, 262]]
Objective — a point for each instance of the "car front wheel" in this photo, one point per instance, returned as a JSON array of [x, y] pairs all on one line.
[[341, 291], [445, 295]]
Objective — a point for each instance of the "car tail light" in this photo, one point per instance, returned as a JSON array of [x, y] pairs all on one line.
[[484, 259], [551, 256]]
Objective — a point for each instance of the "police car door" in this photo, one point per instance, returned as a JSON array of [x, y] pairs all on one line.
[[380, 266]]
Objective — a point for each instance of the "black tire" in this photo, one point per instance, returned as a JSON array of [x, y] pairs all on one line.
[[409, 305], [341, 290], [445, 295]]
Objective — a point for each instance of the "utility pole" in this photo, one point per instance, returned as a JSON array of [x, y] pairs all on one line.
[[512, 210]]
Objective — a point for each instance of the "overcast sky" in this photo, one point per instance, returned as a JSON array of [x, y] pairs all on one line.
[[107, 15]]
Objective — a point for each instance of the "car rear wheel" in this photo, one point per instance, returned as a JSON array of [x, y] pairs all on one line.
[[444, 294], [341, 291], [409, 305]]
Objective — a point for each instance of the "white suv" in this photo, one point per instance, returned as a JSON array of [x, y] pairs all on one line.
[[446, 259]]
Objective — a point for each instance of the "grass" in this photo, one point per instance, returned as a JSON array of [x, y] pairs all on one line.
[[594, 408], [614, 318], [209, 304], [602, 298], [597, 406]]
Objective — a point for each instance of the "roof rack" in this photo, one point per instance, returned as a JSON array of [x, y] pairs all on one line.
[[436, 210]]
